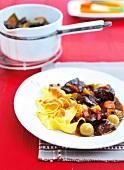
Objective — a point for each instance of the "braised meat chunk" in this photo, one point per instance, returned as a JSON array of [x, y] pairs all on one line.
[[89, 100], [105, 93], [104, 127], [74, 85]]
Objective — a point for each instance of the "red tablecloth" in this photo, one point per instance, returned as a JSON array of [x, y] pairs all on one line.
[[18, 147]]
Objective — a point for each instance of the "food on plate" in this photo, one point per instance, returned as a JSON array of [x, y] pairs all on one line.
[[80, 109], [114, 119], [87, 129], [14, 22], [102, 7]]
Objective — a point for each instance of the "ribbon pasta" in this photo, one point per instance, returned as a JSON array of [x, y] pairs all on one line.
[[56, 110]]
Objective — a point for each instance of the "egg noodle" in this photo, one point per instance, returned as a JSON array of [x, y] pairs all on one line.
[[56, 110]]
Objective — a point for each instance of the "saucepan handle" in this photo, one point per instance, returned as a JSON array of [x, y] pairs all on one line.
[[84, 27]]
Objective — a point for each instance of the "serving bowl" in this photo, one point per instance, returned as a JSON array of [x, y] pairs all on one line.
[[38, 43]]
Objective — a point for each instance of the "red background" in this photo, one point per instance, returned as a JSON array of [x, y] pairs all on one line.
[[18, 147]]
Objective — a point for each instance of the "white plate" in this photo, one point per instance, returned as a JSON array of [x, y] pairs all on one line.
[[74, 10], [30, 89]]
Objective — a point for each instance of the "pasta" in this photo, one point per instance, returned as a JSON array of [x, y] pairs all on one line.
[[56, 110]]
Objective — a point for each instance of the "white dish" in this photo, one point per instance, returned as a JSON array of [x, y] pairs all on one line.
[[30, 89], [38, 43], [74, 10], [34, 50]]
